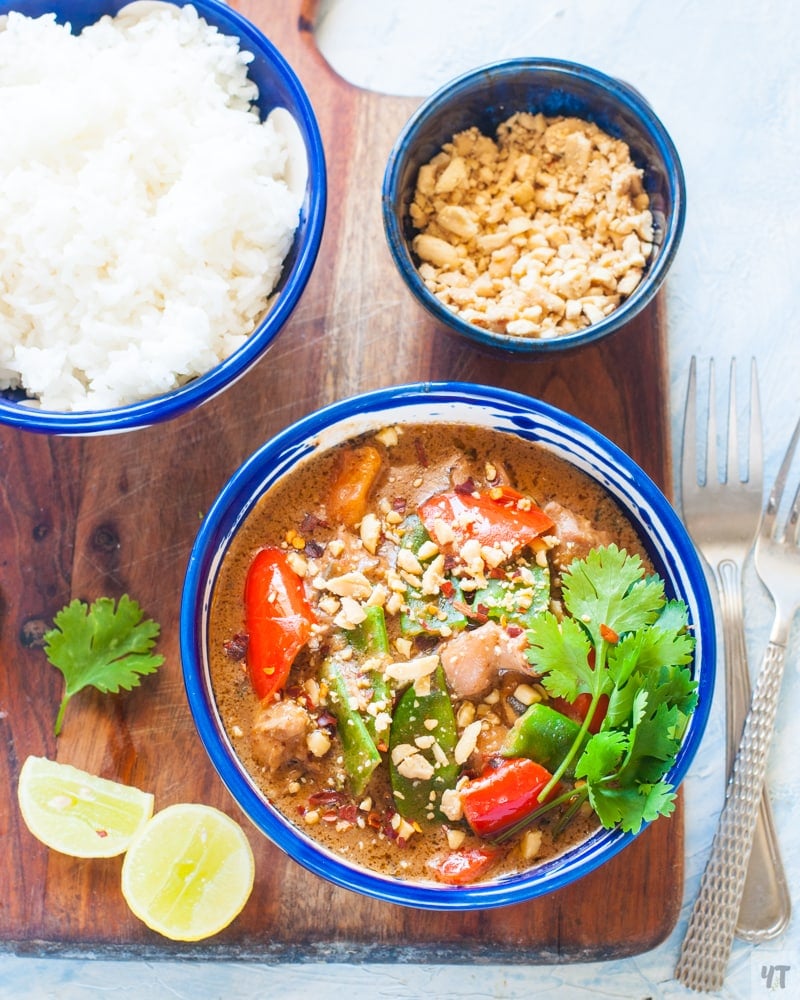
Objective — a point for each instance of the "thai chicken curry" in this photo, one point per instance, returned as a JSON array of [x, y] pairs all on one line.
[[443, 652]]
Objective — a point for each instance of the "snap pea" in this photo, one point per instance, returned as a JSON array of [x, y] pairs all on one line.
[[417, 718], [370, 641], [429, 614], [544, 735], [369, 638], [359, 753], [516, 601]]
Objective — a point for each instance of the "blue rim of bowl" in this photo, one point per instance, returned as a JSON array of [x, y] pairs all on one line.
[[520, 346], [157, 409], [513, 412]]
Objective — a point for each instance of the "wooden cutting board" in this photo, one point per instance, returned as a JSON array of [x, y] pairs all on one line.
[[113, 515]]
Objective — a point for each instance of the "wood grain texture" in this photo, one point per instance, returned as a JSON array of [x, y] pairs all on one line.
[[110, 515]]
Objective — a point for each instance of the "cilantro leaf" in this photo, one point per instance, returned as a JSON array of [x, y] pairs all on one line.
[[607, 588], [101, 646], [602, 757], [612, 765], [673, 617], [651, 745], [631, 806], [651, 659], [560, 652]]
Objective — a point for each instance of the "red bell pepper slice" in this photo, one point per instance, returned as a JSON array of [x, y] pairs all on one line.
[[504, 795], [461, 867], [578, 709], [494, 517], [278, 619]]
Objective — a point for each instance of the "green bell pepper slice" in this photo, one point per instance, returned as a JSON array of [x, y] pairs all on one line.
[[544, 735]]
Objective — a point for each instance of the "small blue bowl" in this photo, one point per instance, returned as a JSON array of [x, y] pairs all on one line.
[[278, 87], [486, 97], [666, 541]]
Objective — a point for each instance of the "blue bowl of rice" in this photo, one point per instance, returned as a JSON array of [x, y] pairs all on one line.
[[512, 417], [127, 303]]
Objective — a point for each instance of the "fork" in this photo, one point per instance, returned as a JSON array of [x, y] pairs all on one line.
[[707, 944], [722, 516]]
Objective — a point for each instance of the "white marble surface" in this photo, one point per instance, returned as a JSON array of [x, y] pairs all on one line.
[[724, 76]]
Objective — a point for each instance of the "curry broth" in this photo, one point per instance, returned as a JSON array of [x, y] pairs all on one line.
[[424, 461]]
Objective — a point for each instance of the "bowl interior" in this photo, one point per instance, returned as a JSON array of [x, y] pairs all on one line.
[[487, 97], [278, 87], [665, 539]]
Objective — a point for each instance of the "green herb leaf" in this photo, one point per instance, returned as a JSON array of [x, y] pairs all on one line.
[[560, 651], [101, 646], [607, 588], [624, 639]]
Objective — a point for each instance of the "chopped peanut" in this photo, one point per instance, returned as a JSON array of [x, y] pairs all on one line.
[[537, 234]]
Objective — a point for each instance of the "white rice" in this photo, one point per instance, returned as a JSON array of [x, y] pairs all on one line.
[[144, 209]]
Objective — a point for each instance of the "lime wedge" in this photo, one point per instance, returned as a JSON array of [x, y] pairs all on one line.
[[77, 813], [188, 872]]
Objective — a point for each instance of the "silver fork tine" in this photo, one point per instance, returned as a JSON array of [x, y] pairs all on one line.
[[732, 470], [712, 467], [776, 493], [794, 516], [689, 462], [755, 455]]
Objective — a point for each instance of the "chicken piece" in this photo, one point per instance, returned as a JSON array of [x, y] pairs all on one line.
[[473, 660], [575, 534], [489, 744], [279, 734]]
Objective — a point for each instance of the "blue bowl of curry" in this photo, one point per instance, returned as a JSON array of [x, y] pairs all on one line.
[[446, 645]]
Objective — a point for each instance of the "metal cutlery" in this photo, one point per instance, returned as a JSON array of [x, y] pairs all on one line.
[[706, 946], [722, 514]]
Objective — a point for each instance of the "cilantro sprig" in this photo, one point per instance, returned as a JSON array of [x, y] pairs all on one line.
[[101, 646], [625, 640]]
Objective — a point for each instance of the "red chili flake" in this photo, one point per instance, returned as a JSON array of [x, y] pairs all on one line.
[[101, 833], [299, 695], [476, 614], [399, 504], [496, 574], [468, 486], [514, 631], [349, 813], [608, 633], [447, 589], [328, 797], [422, 458], [332, 816], [236, 647], [374, 820]]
